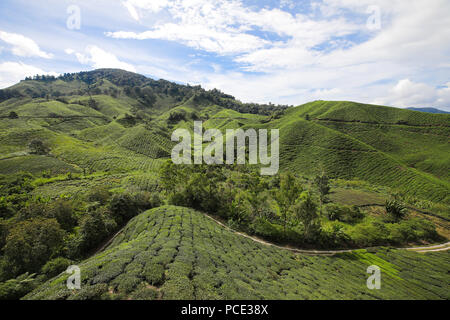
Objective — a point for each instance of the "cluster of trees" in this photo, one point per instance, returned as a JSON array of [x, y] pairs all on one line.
[[6, 94], [279, 208], [146, 90], [40, 237], [215, 96], [43, 78], [282, 209]]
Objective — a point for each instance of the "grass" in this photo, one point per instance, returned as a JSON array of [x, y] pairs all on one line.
[[178, 253]]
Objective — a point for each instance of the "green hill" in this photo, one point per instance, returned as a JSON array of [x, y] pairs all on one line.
[[354, 141], [178, 253], [88, 148]]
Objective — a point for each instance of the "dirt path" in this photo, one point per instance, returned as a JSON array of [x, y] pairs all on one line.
[[434, 248]]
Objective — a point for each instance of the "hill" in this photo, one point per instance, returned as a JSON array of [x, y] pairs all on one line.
[[84, 153], [178, 253], [398, 148]]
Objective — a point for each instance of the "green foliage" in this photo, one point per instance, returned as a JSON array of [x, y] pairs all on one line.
[[38, 147], [395, 209], [56, 266], [123, 207], [94, 228], [347, 214], [64, 212], [203, 260], [31, 243], [100, 194], [13, 115], [113, 125], [323, 184], [306, 212], [287, 195], [14, 289], [154, 274]]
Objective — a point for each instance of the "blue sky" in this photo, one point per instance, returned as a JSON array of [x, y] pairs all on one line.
[[390, 52]]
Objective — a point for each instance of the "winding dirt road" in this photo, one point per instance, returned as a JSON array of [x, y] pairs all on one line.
[[433, 248], [425, 249]]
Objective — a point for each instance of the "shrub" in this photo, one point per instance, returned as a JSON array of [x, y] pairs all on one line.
[[154, 273], [323, 183], [15, 289], [306, 212], [6, 209], [38, 147], [13, 115], [176, 116], [94, 228], [145, 293], [94, 292], [348, 214], [54, 267], [32, 210], [395, 209]]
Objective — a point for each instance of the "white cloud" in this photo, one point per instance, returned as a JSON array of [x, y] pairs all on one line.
[[444, 97], [69, 51], [131, 9], [227, 27], [22, 46], [407, 93], [13, 72], [296, 56], [99, 58]]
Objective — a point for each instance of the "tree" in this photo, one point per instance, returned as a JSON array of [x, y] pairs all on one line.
[[287, 195], [63, 211], [38, 147], [306, 212], [323, 183], [31, 243], [94, 228], [170, 176], [123, 207], [395, 209], [148, 96], [13, 115]]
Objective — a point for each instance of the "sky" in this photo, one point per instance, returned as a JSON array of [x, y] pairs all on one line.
[[387, 52]]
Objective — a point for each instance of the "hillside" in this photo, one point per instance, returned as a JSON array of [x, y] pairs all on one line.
[[178, 253], [115, 121], [401, 149], [83, 154]]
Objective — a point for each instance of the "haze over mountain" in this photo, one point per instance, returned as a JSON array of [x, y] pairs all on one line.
[[429, 110]]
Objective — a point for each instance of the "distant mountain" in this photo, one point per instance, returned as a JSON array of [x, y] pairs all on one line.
[[429, 110]]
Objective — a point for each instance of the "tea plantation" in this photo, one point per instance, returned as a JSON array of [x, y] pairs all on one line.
[[178, 253], [87, 155]]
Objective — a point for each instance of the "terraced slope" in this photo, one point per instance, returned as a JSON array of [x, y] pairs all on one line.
[[312, 146], [178, 253], [419, 140]]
